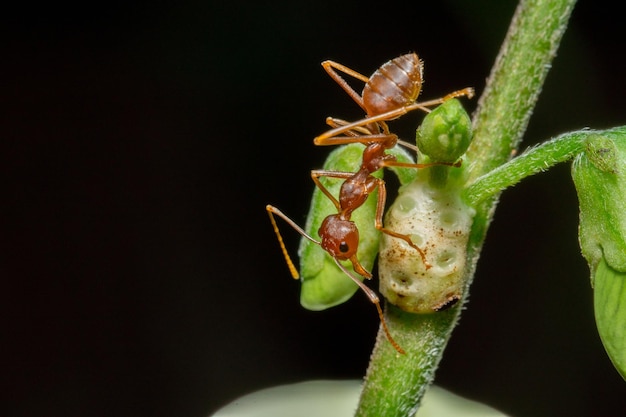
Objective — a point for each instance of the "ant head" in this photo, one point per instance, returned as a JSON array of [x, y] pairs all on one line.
[[339, 237]]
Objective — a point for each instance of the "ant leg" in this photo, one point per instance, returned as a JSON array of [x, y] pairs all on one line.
[[327, 140], [380, 207], [358, 131], [356, 134], [317, 173], [392, 163], [466, 92], [379, 118], [335, 123], [271, 211], [331, 66], [393, 114], [408, 145], [376, 301]]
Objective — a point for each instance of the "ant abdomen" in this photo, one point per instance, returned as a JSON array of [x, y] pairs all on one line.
[[396, 84]]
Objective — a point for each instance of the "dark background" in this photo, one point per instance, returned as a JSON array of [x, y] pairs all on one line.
[[140, 143]]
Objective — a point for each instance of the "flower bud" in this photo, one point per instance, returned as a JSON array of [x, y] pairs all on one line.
[[445, 133], [599, 175], [439, 222]]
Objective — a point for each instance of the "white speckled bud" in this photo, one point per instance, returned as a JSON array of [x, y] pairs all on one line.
[[439, 223]]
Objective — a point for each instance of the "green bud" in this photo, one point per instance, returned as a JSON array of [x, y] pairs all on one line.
[[438, 221], [445, 133], [599, 175]]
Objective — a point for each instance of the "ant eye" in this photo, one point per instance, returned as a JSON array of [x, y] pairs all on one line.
[[343, 247]]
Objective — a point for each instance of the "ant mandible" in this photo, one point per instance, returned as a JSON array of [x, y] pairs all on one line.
[[389, 93]]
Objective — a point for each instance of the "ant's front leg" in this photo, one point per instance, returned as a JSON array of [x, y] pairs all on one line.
[[380, 207], [317, 173]]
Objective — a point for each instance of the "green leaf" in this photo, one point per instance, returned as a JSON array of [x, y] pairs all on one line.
[[324, 285], [609, 299]]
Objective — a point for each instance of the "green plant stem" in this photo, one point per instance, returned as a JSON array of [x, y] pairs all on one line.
[[535, 160], [439, 176], [516, 81], [510, 95], [394, 384]]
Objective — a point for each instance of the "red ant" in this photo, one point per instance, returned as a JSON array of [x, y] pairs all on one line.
[[389, 93]]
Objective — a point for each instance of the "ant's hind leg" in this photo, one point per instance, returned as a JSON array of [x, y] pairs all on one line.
[[331, 66]]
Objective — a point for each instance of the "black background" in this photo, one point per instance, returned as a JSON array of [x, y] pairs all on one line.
[[140, 143]]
